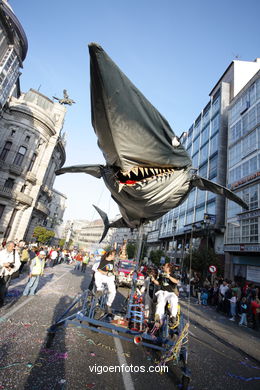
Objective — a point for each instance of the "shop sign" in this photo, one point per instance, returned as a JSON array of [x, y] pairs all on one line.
[[253, 273]]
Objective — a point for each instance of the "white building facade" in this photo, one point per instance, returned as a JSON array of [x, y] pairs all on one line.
[[242, 244]]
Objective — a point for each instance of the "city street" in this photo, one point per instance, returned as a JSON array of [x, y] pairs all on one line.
[[222, 355]]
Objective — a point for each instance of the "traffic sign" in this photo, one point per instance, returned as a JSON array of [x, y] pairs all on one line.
[[212, 269]]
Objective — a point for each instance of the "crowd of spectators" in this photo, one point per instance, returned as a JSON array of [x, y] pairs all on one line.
[[238, 300], [18, 257]]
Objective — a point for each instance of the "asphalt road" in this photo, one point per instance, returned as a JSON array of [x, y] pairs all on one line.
[[221, 354]]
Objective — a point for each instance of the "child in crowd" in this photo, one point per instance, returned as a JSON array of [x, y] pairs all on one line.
[[233, 305], [243, 311]]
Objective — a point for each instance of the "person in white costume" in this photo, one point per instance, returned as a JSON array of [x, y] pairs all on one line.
[[168, 293], [104, 275]]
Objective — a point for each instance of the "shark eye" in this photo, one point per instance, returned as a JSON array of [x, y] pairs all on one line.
[[175, 142]]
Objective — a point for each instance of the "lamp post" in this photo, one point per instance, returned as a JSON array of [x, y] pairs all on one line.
[[173, 238]]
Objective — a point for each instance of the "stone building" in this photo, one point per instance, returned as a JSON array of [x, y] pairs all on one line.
[[31, 149], [13, 50]]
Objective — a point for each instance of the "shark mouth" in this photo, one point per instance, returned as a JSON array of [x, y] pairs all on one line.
[[142, 174]]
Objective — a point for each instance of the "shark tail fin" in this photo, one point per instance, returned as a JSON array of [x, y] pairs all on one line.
[[107, 225], [105, 220]]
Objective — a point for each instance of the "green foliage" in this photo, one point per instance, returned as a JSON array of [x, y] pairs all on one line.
[[155, 257], [201, 259], [43, 235], [131, 250], [62, 242]]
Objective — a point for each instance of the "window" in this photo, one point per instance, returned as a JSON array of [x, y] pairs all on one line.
[[235, 132], [216, 105], [201, 197], [199, 214], [234, 155], [196, 144], [195, 160], [211, 208], [250, 143], [20, 156], [250, 230], [204, 152], [32, 162], [5, 150], [215, 124], [189, 218], [2, 208], [214, 144], [27, 138], [23, 188], [9, 183], [213, 167], [252, 94], [233, 208], [203, 170], [251, 197], [191, 199], [205, 135], [233, 232]]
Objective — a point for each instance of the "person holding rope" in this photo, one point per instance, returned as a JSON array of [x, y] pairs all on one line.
[[104, 275], [168, 293]]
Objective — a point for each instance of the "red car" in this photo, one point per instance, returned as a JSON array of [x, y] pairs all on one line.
[[125, 272]]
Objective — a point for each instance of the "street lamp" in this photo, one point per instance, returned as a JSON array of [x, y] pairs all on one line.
[[174, 226]]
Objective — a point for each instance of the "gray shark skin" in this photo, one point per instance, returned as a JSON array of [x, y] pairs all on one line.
[[147, 171]]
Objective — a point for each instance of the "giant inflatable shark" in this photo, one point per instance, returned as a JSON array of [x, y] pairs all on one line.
[[147, 171]]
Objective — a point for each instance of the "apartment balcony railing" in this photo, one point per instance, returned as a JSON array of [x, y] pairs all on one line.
[[6, 192]]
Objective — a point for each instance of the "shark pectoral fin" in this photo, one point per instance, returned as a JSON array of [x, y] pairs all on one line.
[[118, 223], [207, 185], [93, 170]]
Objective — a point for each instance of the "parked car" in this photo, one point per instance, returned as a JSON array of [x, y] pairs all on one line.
[[125, 273]]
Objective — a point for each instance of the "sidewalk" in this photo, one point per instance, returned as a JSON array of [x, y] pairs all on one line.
[[245, 339]]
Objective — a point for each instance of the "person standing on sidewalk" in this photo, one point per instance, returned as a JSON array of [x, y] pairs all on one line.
[[255, 306], [84, 262], [9, 264], [233, 306], [243, 312], [36, 270]]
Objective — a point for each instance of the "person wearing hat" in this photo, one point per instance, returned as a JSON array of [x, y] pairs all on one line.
[[36, 270]]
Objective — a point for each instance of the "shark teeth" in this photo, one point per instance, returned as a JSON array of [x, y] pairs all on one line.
[[120, 186], [135, 171], [143, 175]]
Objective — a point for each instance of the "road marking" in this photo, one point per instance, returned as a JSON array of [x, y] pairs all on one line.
[[11, 312], [127, 379]]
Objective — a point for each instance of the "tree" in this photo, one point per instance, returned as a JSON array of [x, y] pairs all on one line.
[[43, 235], [155, 257], [131, 250], [62, 242], [201, 259]]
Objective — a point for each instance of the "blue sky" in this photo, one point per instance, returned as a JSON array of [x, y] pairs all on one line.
[[173, 51]]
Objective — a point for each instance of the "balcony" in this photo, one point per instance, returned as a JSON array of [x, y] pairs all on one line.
[[15, 169], [31, 177], [24, 199], [42, 208], [47, 191], [6, 192]]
